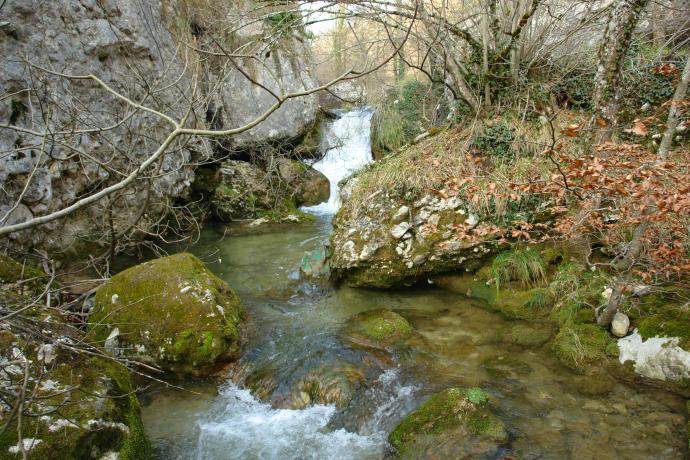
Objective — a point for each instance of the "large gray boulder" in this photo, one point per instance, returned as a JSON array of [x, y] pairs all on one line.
[[125, 44], [137, 48], [276, 56], [382, 240]]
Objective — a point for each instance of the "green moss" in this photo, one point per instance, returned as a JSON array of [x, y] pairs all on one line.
[[579, 345], [668, 321], [612, 349], [184, 316], [27, 280], [450, 409], [378, 329], [476, 395], [532, 304], [205, 348], [529, 336]]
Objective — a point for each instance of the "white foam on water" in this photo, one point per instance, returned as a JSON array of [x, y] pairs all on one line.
[[243, 427], [347, 142]]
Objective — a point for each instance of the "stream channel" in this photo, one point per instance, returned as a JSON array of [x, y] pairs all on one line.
[[295, 326]]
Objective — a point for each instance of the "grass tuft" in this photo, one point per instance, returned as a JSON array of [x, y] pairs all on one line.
[[523, 265]]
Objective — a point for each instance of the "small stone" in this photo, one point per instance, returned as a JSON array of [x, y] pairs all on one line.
[[641, 290], [472, 220], [46, 353], [399, 230], [401, 214], [620, 325], [645, 106], [111, 343], [257, 222], [419, 260], [434, 220]]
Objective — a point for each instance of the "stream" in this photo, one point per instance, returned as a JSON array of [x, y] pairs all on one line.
[[295, 326]]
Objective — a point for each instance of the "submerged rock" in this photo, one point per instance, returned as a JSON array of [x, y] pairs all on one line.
[[328, 384], [455, 423], [315, 264], [172, 311], [379, 329], [527, 336]]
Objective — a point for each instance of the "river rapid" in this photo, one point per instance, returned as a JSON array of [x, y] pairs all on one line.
[[294, 326]]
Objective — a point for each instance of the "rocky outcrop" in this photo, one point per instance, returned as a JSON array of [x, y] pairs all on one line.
[[455, 423], [383, 241], [172, 312], [656, 357], [90, 409], [95, 139], [273, 59], [245, 190]]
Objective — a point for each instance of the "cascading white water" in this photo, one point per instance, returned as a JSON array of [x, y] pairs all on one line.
[[347, 143], [245, 428]]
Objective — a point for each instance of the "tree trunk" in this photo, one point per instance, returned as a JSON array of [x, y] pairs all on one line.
[[622, 267], [674, 111], [614, 45]]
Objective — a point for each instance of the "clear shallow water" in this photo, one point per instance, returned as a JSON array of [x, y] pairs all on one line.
[[294, 326]]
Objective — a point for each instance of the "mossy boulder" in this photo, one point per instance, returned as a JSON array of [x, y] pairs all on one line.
[[308, 187], [89, 408], [380, 329], [383, 240], [527, 336], [668, 321], [246, 191], [172, 310], [578, 346], [455, 423], [20, 280]]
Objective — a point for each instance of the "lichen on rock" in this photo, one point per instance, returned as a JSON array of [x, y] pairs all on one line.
[[173, 311], [383, 241]]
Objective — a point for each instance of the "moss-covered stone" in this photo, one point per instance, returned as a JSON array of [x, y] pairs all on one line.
[[531, 304], [382, 329], [97, 413], [668, 321], [455, 421], [185, 318], [527, 336], [20, 279], [596, 383], [579, 345]]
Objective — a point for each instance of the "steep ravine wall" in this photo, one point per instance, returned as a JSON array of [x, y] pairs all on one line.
[[137, 49]]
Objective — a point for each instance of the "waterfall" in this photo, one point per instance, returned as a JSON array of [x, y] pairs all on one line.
[[347, 145]]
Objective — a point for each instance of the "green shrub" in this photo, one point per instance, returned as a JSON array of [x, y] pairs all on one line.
[[496, 139]]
